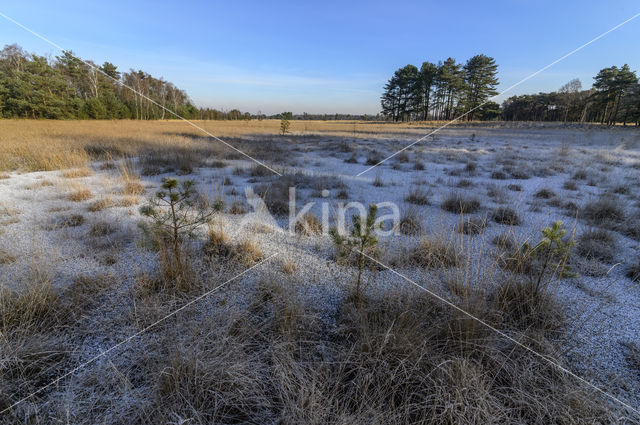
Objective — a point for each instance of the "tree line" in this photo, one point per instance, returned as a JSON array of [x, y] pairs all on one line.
[[33, 86], [442, 91], [613, 98], [449, 89]]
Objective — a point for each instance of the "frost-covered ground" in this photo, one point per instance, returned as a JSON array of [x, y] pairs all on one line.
[[40, 230]]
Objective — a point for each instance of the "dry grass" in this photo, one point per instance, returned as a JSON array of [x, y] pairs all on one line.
[[606, 211], [76, 173], [457, 203], [418, 196], [218, 246], [432, 253], [101, 204], [133, 188], [308, 225], [410, 222], [471, 225], [507, 216], [79, 195], [6, 257], [597, 244]]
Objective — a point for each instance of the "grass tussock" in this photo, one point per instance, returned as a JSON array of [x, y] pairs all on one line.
[[431, 253], [101, 204], [6, 257], [457, 203], [133, 188], [80, 195], [507, 216], [308, 225], [606, 211], [471, 225], [417, 196], [597, 244], [219, 246], [633, 272], [410, 222]]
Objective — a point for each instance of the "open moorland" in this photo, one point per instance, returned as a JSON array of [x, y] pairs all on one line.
[[513, 258]]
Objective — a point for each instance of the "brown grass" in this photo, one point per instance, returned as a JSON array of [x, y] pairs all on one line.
[[434, 253], [308, 225], [76, 173], [51, 145], [133, 188], [101, 204], [81, 194]]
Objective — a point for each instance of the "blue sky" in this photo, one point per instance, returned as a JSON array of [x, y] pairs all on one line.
[[330, 56]]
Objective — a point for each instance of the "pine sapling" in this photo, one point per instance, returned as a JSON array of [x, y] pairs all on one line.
[[361, 241], [176, 214]]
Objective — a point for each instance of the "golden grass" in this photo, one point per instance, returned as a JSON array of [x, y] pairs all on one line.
[[76, 173], [80, 195], [102, 203], [133, 188], [31, 145]]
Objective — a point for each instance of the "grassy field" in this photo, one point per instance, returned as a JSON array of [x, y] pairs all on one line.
[[294, 327]]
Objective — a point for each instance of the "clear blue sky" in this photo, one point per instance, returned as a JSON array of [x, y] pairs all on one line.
[[327, 56]]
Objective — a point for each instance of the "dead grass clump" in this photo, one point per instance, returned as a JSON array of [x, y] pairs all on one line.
[[464, 183], [133, 188], [5, 257], [73, 220], [76, 173], [219, 246], [458, 204], [289, 267], [597, 244], [4, 176], [524, 305], [633, 272], [507, 216], [514, 187], [519, 174], [101, 204], [181, 160], [499, 175], [276, 195], [431, 253], [128, 201], [580, 175], [80, 195], [471, 225], [544, 194], [606, 211], [570, 185], [417, 196], [101, 229], [410, 222], [373, 158], [505, 241], [34, 305], [308, 225], [237, 207]]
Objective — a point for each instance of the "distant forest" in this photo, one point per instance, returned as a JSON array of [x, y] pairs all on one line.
[[449, 89], [67, 87]]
